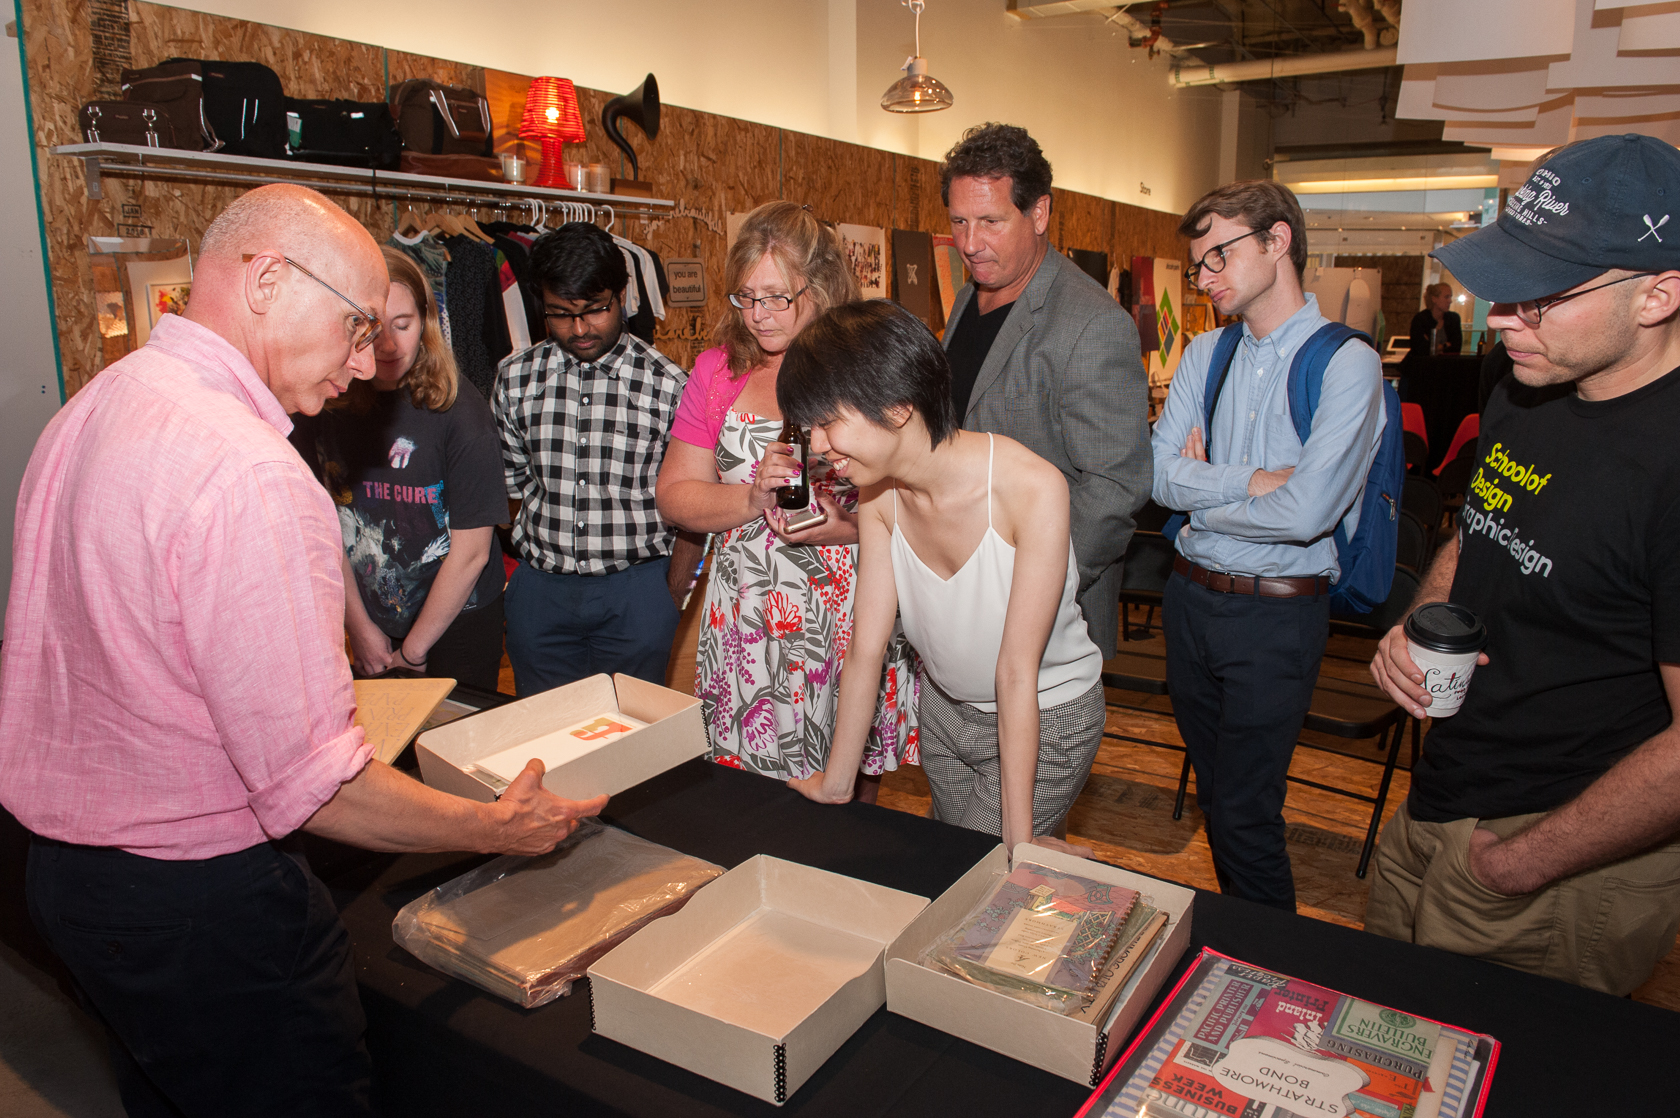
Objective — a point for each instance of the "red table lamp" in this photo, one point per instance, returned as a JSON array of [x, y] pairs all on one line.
[[552, 116]]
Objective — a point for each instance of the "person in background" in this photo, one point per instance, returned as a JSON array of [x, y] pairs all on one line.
[[1436, 328], [966, 536], [1542, 828], [414, 466], [1246, 611], [174, 696], [584, 418], [1041, 353], [778, 611]]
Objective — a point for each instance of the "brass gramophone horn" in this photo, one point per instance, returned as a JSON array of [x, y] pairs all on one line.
[[641, 107]]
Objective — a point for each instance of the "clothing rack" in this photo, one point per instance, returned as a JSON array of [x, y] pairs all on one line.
[[135, 161]]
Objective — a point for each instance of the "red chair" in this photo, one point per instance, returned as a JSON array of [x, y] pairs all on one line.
[[1468, 429], [1411, 419]]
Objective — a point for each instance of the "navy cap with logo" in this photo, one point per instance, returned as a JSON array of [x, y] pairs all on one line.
[[1610, 202]]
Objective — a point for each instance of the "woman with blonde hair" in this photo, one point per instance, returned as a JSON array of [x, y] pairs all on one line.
[[414, 465], [778, 609]]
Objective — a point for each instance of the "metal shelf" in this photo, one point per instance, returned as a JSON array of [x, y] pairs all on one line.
[[131, 160]]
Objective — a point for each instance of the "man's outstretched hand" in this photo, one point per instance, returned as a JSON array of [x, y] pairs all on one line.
[[533, 820]]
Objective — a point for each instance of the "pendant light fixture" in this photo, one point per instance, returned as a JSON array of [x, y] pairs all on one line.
[[916, 92]]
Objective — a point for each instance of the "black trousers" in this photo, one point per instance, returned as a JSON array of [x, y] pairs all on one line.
[[227, 983], [1241, 670], [470, 650]]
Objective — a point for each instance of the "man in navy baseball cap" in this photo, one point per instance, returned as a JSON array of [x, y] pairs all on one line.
[[1541, 827]]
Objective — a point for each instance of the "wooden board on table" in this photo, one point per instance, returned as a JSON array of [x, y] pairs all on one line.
[[391, 711]]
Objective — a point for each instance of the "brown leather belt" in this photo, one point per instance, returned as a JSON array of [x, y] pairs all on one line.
[[1248, 584]]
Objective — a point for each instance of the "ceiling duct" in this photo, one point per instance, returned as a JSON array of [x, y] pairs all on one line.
[[1289, 66]]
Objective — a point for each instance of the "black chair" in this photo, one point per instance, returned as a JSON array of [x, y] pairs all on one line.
[[1411, 549], [1143, 579], [1422, 498], [1378, 622], [1417, 452], [1454, 477]]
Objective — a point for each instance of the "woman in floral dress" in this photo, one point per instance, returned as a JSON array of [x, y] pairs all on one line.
[[778, 609]]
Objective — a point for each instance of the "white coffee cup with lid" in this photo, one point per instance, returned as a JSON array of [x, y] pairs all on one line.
[[1445, 641]]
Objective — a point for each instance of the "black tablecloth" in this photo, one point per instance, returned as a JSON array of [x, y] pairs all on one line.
[[441, 1047]]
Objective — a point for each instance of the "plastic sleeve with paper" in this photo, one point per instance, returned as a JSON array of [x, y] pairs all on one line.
[[524, 928], [1040, 935]]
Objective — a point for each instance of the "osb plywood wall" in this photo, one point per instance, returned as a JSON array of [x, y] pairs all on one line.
[[709, 165]]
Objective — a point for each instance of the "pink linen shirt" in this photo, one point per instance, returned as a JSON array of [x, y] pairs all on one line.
[[173, 679]]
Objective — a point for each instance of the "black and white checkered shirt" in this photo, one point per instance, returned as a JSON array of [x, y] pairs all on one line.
[[581, 446]]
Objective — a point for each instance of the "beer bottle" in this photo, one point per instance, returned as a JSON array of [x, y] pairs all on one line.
[[797, 496]]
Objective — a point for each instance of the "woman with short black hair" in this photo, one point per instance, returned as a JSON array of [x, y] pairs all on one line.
[[966, 535]]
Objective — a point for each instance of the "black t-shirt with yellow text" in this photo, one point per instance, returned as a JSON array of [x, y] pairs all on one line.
[[1570, 554]]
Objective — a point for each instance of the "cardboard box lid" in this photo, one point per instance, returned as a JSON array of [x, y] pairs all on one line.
[[673, 734], [1032, 1034]]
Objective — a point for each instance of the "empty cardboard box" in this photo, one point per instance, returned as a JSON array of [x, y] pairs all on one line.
[[1077, 1050], [759, 979], [673, 734]]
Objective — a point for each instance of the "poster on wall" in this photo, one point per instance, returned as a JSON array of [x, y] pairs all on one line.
[[948, 266], [1169, 301], [732, 228], [913, 273], [1091, 262], [866, 252], [136, 282], [1143, 308]]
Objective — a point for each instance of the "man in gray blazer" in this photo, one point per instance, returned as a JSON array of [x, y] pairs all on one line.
[[1040, 352]]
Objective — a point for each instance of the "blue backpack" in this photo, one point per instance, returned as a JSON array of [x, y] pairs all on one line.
[[1367, 559]]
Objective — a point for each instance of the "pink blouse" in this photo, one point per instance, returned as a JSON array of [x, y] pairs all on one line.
[[706, 400]]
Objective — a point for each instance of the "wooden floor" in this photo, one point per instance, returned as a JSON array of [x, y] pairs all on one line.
[[1125, 811]]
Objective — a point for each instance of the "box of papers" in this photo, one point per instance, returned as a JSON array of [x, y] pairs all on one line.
[[1079, 1046], [758, 980], [599, 735]]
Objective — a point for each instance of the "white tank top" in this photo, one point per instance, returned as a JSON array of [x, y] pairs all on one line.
[[956, 624]]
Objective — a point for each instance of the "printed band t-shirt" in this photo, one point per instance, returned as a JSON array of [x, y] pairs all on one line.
[[1571, 556], [402, 476]]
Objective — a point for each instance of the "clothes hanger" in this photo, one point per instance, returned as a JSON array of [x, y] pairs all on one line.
[[410, 225]]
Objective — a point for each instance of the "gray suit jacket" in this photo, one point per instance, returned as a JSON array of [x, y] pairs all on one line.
[[1065, 379]]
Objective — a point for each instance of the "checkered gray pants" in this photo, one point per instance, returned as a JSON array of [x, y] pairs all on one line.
[[960, 757]]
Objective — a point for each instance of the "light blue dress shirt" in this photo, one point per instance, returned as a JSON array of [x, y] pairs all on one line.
[[1286, 533]]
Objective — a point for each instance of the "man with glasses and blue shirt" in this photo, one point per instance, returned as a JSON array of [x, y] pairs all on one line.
[[1540, 829], [175, 699], [584, 419], [1247, 608]]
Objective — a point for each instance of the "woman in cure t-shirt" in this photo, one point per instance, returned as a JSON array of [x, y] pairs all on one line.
[[967, 536], [413, 463]]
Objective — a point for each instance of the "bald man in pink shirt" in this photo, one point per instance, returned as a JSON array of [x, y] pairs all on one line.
[[175, 698]]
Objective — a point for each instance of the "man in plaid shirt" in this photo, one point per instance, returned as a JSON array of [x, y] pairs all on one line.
[[584, 418]]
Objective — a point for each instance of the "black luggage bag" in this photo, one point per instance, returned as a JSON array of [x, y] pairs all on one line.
[[244, 107], [344, 133], [438, 119], [133, 122], [176, 91]]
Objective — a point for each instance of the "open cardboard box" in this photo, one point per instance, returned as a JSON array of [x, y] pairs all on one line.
[[673, 734], [758, 979], [1077, 1050]]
